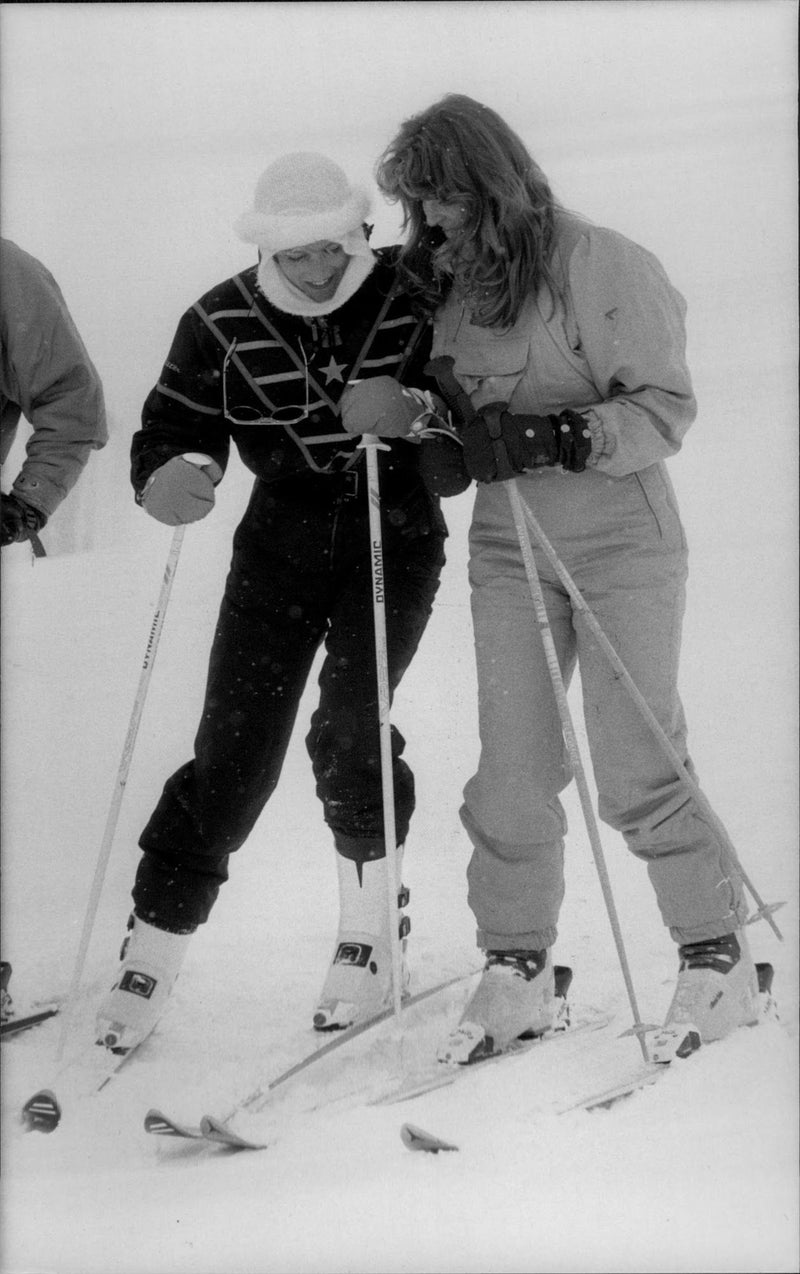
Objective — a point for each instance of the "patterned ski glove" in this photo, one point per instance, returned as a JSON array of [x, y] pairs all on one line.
[[19, 520], [381, 405], [498, 445], [182, 490]]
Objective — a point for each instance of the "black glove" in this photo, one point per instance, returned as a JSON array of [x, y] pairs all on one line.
[[19, 520], [441, 464], [499, 445]]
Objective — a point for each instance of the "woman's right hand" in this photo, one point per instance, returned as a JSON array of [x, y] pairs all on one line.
[[380, 405]]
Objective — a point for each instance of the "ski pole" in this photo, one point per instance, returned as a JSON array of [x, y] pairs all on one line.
[[571, 741], [121, 779], [371, 444], [765, 910]]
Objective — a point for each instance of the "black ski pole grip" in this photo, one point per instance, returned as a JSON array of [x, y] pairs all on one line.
[[457, 399]]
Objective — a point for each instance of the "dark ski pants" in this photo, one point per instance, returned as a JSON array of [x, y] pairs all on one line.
[[300, 575]]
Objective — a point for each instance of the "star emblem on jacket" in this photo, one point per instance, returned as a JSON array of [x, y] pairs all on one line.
[[333, 371]]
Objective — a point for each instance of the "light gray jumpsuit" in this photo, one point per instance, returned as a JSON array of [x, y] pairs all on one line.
[[612, 347]]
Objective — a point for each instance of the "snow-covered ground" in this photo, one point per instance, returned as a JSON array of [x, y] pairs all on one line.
[[132, 136]]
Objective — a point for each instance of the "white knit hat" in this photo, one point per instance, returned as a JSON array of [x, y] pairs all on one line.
[[302, 198]]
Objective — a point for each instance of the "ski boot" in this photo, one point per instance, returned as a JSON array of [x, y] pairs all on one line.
[[359, 981], [151, 960], [718, 990], [520, 996]]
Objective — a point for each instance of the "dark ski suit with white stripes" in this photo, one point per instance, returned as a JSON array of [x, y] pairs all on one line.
[[239, 369]]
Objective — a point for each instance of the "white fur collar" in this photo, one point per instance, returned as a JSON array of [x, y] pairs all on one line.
[[286, 297]]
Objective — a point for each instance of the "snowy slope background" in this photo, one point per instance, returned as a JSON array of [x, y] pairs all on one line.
[[132, 137]]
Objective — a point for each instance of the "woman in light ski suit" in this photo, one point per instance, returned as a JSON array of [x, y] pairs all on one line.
[[569, 340], [262, 360]]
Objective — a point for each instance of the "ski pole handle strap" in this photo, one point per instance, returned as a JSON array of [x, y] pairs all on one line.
[[457, 399]]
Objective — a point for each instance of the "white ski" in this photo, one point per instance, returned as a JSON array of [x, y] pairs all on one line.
[[243, 1130], [606, 1098], [650, 1074], [644, 1077], [82, 1076], [219, 1130], [235, 1130], [442, 1075]]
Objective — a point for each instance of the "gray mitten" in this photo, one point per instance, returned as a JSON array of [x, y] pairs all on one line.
[[182, 490], [382, 406]]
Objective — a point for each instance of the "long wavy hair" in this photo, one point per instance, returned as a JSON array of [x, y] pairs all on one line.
[[460, 150]]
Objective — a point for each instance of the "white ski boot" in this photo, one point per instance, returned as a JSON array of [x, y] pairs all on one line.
[[516, 996], [359, 981], [717, 991], [151, 960]]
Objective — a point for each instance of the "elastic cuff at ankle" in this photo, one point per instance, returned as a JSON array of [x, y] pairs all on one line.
[[536, 940], [704, 932], [155, 923], [359, 849]]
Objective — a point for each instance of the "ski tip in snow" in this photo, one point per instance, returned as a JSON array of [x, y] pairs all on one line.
[[41, 1113], [209, 1129], [156, 1122], [418, 1139], [216, 1130]]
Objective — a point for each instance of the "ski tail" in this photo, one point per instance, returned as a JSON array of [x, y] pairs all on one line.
[[42, 1112], [418, 1139], [219, 1131]]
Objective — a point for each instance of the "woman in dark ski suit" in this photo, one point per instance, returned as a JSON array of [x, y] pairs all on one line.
[[569, 341], [263, 360]]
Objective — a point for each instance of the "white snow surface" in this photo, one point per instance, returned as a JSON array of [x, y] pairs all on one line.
[[133, 135]]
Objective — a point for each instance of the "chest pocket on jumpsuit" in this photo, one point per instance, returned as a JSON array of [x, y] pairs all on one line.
[[488, 365]]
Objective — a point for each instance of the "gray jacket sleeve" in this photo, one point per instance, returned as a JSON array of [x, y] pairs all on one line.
[[630, 321], [48, 377]]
